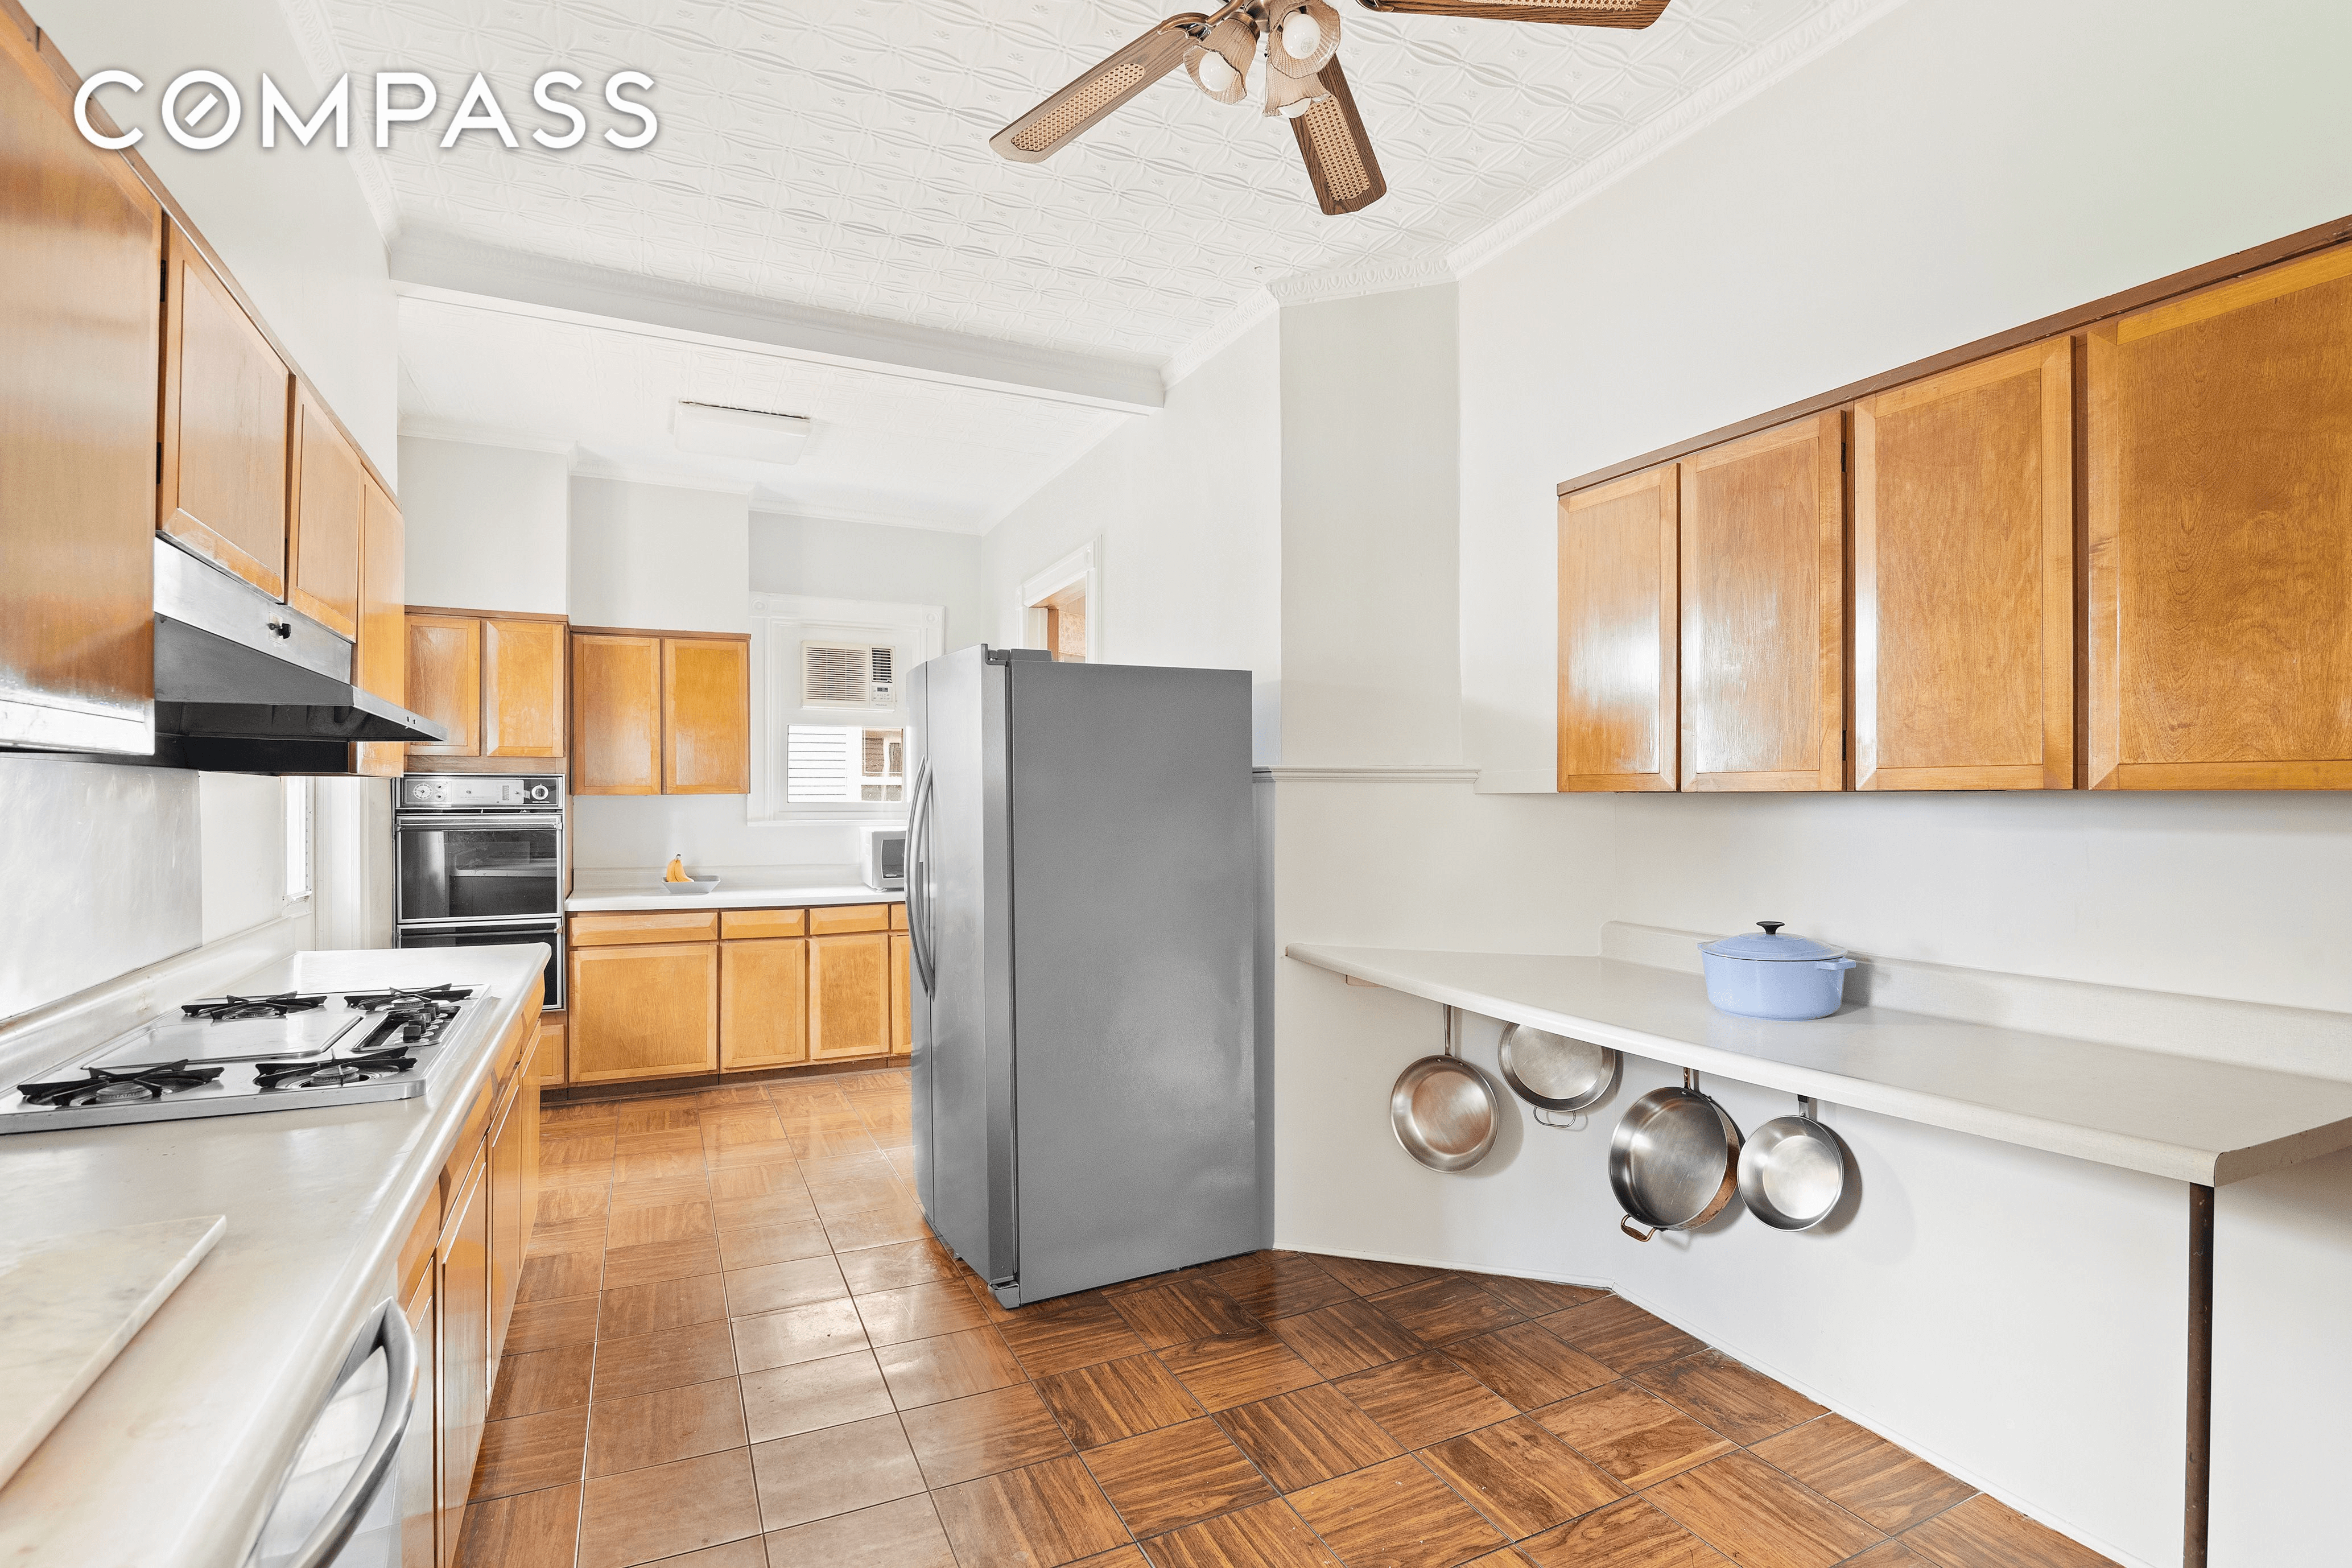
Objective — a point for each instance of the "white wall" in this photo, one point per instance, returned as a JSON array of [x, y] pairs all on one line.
[[488, 528], [833, 559], [290, 222], [660, 556], [1370, 501], [1187, 505], [1924, 184]]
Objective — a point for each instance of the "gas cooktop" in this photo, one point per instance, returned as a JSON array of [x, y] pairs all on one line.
[[225, 1055]]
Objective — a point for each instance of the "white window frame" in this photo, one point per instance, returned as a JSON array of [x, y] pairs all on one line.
[[1082, 564], [779, 623]]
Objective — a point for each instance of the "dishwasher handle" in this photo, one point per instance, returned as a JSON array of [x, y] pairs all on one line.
[[387, 1330]]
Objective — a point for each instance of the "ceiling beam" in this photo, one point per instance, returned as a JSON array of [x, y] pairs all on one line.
[[444, 267]]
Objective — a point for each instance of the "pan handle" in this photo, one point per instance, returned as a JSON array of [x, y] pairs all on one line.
[[1625, 1223]]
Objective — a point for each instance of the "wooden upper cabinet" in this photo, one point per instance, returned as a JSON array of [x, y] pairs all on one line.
[[1763, 585], [380, 661], [706, 716], [617, 714], [523, 688], [445, 681], [2219, 500], [80, 341], [328, 518], [1617, 639], [1964, 578], [226, 417]]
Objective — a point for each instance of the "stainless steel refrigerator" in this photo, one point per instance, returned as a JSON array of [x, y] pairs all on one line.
[[1082, 898]]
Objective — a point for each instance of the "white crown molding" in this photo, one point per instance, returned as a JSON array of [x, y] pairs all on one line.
[[1798, 47], [1223, 334], [439, 266], [668, 478], [858, 517], [1401, 774], [1360, 278], [314, 35], [415, 429]]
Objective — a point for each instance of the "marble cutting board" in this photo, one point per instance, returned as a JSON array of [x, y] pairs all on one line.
[[69, 1305]]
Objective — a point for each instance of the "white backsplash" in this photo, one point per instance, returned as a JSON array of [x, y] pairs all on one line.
[[627, 832]]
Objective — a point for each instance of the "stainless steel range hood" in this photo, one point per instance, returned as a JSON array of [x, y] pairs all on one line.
[[233, 666]]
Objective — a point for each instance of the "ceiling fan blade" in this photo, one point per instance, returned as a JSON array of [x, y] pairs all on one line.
[[1055, 123], [1338, 153], [1575, 13]]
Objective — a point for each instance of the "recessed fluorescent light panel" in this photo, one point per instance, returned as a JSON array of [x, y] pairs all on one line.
[[723, 432]]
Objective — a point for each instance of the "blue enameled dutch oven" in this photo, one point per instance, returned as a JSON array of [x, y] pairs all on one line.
[[1775, 976]]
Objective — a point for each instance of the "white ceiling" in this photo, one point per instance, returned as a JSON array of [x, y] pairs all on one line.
[[884, 448], [833, 155]]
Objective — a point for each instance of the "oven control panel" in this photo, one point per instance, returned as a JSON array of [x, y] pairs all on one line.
[[482, 792]]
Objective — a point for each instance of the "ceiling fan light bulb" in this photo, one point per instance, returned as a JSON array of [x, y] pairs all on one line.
[[1217, 73], [1302, 35], [1292, 110]]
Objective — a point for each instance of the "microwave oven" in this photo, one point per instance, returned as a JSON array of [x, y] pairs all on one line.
[[886, 859]]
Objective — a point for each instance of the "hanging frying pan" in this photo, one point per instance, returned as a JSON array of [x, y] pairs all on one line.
[[1792, 1171], [1555, 1072], [1674, 1161], [1443, 1109]]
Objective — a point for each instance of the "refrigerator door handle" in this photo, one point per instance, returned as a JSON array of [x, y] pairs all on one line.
[[918, 900]]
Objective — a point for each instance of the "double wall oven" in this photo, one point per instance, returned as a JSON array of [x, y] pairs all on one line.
[[481, 863]]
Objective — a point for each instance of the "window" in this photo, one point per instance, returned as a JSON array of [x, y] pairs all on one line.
[[831, 739], [298, 840]]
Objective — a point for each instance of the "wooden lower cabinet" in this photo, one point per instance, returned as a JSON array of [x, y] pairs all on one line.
[[419, 1472], [644, 1011], [512, 1131], [902, 994], [763, 988], [849, 995], [549, 1065], [461, 1352]]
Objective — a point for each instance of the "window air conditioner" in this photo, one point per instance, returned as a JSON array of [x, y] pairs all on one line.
[[847, 675]]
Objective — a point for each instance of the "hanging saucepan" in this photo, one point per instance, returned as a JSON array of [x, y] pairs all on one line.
[[1792, 1171], [1443, 1109], [1556, 1072], [1674, 1161]]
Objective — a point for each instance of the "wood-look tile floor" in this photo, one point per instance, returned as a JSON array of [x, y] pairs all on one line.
[[737, 1347]]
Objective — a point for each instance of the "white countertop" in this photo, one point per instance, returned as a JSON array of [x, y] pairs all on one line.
[[2163, 1112], [172, 1456], [740, 887]]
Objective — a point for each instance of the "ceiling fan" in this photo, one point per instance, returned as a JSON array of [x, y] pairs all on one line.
[[1303, 82]]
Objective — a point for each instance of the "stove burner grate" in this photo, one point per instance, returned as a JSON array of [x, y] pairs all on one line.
[[222, 1009], [406, 995], [104, 1088], [359, 1067]]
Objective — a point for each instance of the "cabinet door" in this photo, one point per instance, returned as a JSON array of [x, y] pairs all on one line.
[[507, 1216], [380, 659], [549, 1065], [763, 1003], [226, 415], [1617, 639], [849, 995], [1763, 587], [81, 336], [2220, 446], [463, 1348], [419, 1474], [617, 714], [643, 1012], [445, 681], [1964, 578], [522, 688], [902, 994], [328, 518], [706, 716]]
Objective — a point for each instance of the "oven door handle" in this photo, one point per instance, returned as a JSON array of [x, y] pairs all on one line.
[[387, 1330]]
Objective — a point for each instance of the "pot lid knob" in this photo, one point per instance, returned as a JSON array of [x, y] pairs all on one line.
[[1771, 927]]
